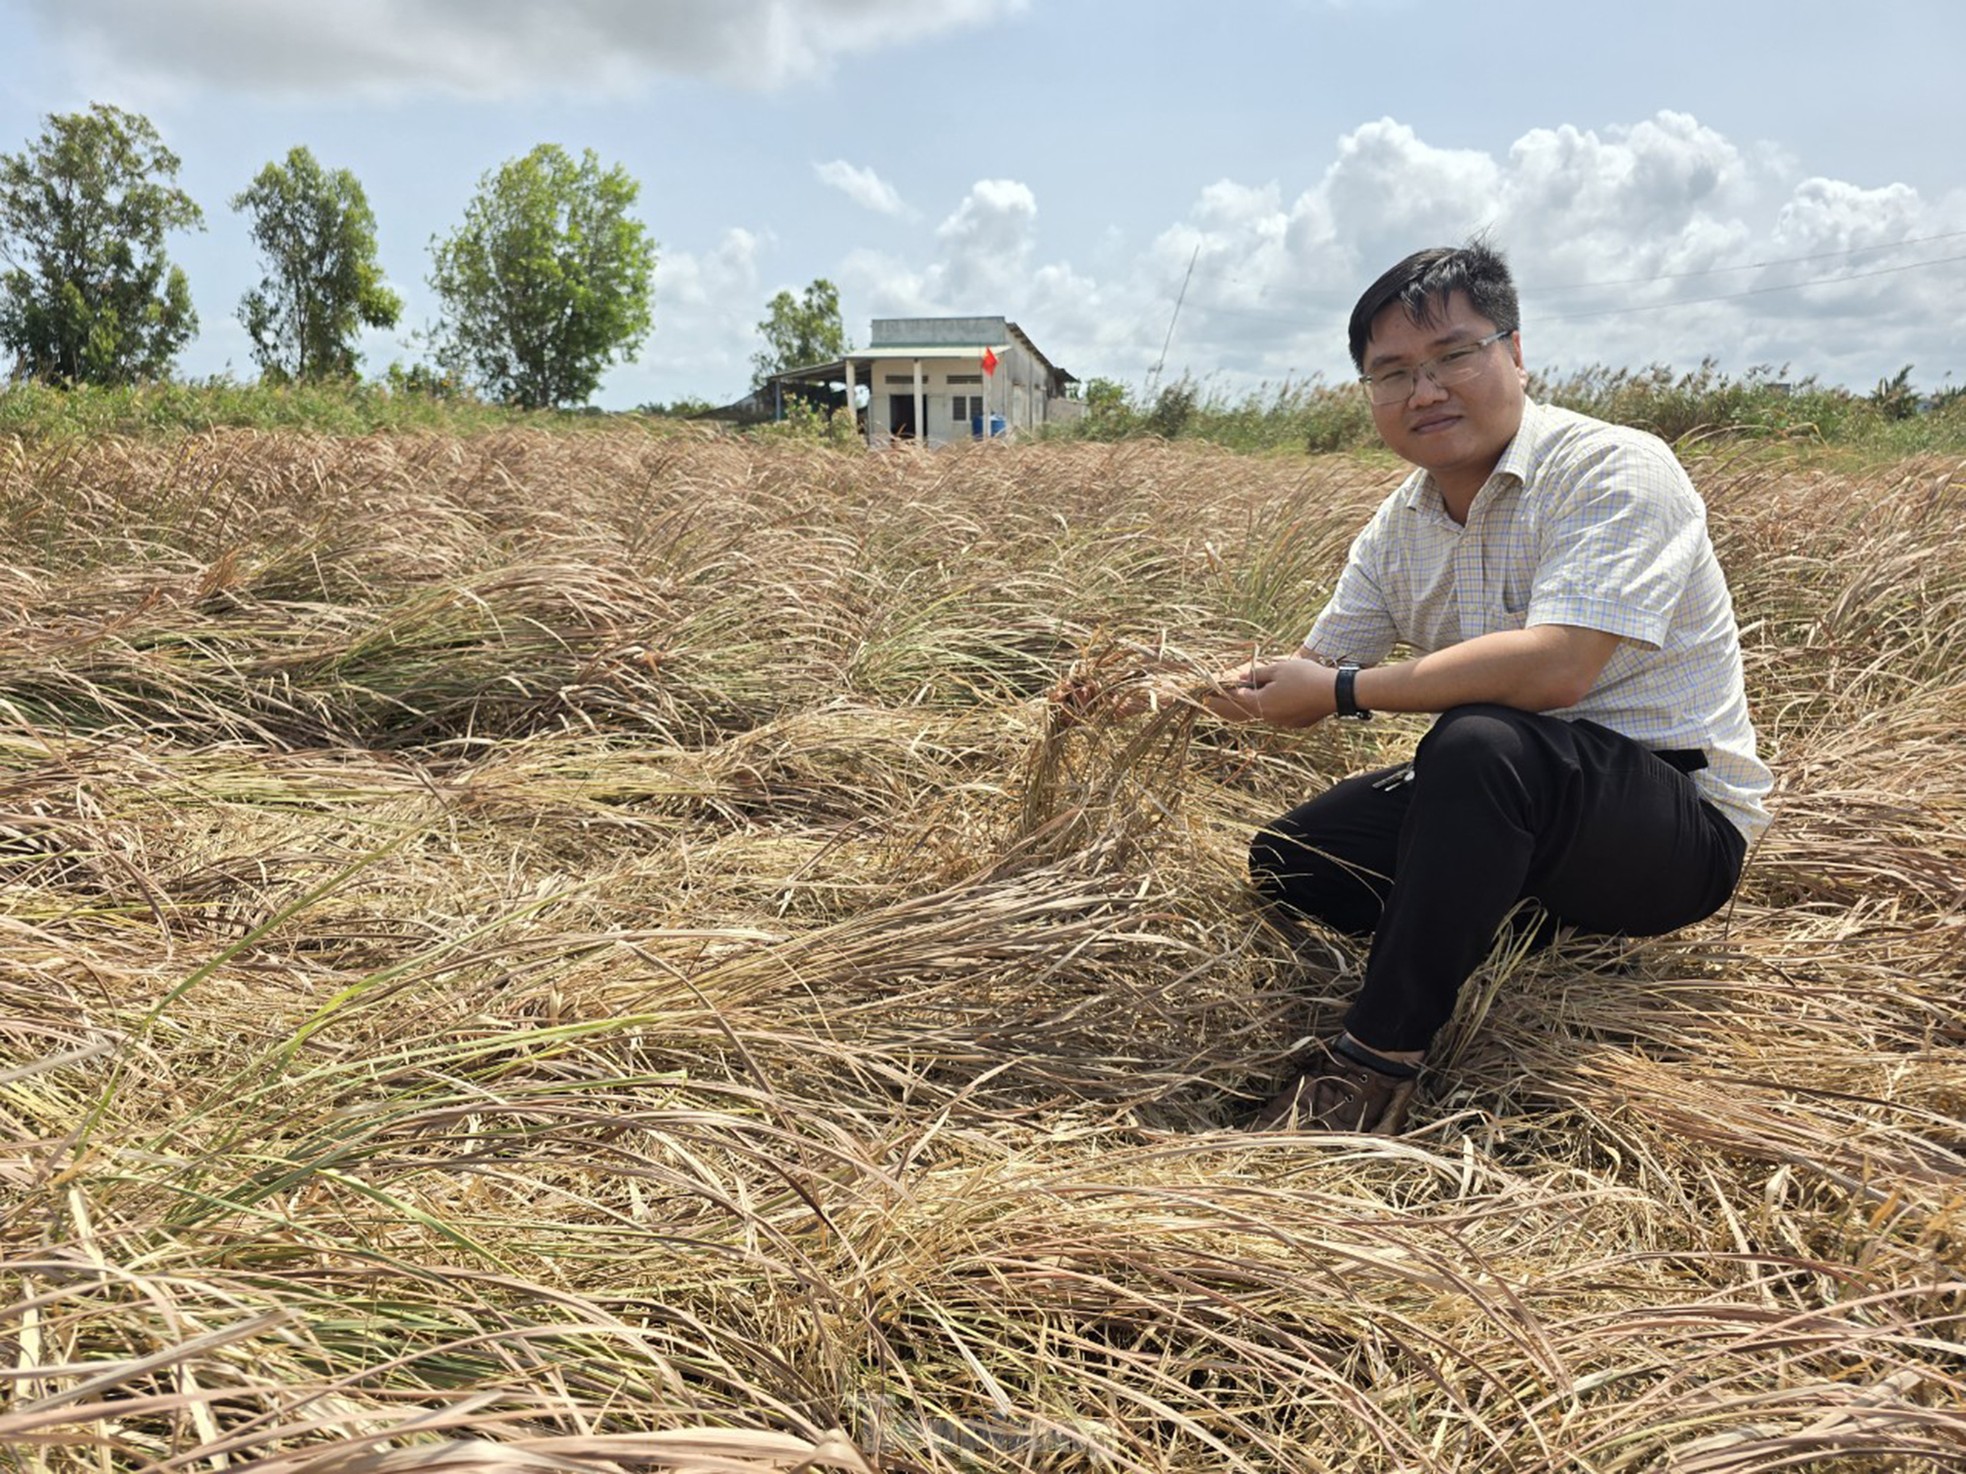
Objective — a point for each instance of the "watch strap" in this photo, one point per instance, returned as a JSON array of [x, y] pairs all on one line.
[[1345, 692]]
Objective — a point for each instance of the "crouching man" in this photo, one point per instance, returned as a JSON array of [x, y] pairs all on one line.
[[1593, 754]]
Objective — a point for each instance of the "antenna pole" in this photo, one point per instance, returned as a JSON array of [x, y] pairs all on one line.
[[1153, 377]]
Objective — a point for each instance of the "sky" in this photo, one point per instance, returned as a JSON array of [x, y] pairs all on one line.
[[1149, 188]]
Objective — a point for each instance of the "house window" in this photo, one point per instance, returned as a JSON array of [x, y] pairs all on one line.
[[965, 378], [964, 408]]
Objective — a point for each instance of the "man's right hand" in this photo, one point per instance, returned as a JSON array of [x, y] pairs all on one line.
[[1294, 692]]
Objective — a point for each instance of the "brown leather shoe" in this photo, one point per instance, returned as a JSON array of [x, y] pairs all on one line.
[[1342, 1087]]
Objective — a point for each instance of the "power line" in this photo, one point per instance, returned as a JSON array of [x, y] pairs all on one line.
[[1272, 313], [1531, 287], [1626, 281], [1821, 281]]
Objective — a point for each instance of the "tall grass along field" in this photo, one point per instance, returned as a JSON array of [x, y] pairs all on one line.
[[593, 952]]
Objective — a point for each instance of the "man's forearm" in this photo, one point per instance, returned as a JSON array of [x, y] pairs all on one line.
[[1544, 668]]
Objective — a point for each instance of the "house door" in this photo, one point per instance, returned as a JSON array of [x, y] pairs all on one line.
[[901, 416]]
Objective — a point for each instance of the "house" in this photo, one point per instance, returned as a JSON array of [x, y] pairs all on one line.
[[934, 381]]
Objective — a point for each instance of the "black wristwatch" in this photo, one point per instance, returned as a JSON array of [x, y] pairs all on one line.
[[1347, 700]]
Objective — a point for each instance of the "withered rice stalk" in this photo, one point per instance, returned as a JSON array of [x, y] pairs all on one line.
[[598, 953]]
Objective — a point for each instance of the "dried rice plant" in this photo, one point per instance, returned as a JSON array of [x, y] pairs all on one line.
[[601, 953]]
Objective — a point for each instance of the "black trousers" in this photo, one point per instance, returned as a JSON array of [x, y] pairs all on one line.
[[1502, 806]]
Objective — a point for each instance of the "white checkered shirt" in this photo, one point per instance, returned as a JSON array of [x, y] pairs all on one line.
[[1586, 524]]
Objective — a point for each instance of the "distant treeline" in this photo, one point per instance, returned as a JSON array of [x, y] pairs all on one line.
[[1315, 417], [545, 283], [1678, 406]]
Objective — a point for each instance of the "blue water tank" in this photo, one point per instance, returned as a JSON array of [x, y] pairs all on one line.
[[997, 425]]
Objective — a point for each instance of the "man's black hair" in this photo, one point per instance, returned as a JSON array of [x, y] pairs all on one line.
[[1421, 284]]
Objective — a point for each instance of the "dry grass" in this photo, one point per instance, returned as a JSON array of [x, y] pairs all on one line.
[[591, 953]]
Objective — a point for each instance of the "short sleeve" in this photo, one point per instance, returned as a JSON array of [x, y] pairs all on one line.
[[1619, 544], [1356, 624]]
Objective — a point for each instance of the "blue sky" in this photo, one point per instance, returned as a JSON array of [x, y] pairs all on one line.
[[1750, 181]]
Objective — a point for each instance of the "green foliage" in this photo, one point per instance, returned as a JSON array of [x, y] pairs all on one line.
[[1108, 415], [1306, 416], [1701, 403], [806, 421], [316, 237], [1108, 397], [690, 406], [800, 330], [1173, 409], [427, 381], [547, 282], [1680, 407], [89, 295], [418, 399], [1894, 397]]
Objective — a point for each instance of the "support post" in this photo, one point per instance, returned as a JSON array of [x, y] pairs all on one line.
[[853, 410]]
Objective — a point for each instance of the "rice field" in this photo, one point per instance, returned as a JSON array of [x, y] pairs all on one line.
[[533, 952]]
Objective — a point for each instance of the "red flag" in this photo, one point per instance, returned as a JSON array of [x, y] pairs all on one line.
[[989, 361]]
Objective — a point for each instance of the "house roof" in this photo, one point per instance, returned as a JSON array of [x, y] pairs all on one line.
[[927, 352]]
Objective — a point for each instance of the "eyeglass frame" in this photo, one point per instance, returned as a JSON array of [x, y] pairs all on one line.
[[1427, 366]]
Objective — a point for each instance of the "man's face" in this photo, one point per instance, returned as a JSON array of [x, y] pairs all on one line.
[[1457, 433]]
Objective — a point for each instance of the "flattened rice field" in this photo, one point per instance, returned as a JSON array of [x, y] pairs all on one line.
[[591, 951]]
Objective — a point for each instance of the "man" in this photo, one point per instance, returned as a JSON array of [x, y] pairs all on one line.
[[1593, 754]]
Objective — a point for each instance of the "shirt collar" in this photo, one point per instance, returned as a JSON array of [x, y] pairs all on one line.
[[1518, 460]]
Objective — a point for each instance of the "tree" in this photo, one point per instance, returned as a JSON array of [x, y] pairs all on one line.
[[547, 281], [1894, 397], [800, 331], [316, 238], [89, 295]]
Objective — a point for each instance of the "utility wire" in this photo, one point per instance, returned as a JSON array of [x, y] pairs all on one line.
[[1273, 314], [1532, 287], [1626, 281], [1821, 281]]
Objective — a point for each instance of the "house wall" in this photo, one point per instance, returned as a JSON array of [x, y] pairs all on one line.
[[1016, 391]]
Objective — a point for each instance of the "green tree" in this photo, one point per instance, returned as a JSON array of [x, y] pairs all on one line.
[[88, 295], [546, 282], [1894, 397], [800, 330], [1109, 411], [316, 238]]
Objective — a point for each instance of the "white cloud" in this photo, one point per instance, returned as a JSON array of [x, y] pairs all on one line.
[[984, 262], [707, 306], [1618, 239], [987, 243], [727, 272], [1388, 189], [487, 47], [863, 186]]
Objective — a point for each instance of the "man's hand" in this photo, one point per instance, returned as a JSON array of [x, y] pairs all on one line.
[[1293, 692]]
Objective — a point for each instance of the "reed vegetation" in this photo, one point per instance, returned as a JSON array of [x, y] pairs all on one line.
[[528, 951], [1682, 406]]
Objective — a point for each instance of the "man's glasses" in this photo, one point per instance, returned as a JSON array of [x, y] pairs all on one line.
[[1455, 366]]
